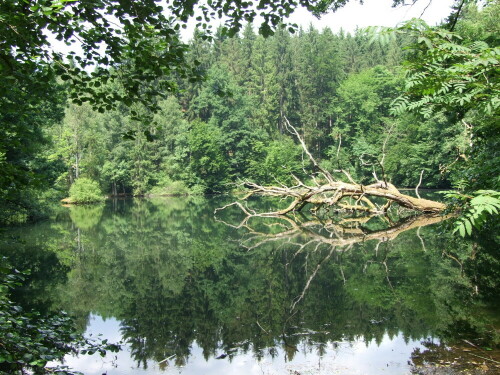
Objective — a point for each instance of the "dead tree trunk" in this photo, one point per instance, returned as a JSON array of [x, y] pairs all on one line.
[[342, 193], [333, 193]]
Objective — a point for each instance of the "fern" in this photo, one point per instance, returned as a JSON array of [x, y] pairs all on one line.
[[477, 210]]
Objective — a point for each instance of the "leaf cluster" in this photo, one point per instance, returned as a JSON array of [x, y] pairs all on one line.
[[29, 340], [446, 72], [476, 209], [85, 190]]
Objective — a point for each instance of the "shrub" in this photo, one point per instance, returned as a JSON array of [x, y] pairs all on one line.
[[197, 189], [30, 340], [174, 188], [84, 190]]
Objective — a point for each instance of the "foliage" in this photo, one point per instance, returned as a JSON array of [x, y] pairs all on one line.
[[30, 340], [208, 166], [456, 74], [141, 41], [476, 209], [431, 146], [168, 187], [445, 73], [276, 162], [84, 190], [26, 169], [363, 124]]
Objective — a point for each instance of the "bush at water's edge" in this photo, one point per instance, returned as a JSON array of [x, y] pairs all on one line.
[[167, 187], [84, 191]]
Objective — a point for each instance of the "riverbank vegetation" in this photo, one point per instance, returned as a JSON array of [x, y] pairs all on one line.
[[376, 109], [84, 191]]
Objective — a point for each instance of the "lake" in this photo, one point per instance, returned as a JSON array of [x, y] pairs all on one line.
[[190, 292]]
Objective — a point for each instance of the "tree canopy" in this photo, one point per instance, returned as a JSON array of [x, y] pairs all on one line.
[[135, 42]]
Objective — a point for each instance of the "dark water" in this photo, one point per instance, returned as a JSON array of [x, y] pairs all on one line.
[[191, 293]]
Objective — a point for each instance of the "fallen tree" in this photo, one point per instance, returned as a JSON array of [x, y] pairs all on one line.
[[340, 191]]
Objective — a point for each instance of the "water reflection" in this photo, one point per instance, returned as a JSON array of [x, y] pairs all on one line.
[[390, 356], [189, 293]]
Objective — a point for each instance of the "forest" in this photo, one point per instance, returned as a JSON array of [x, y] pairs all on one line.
[[355, 99], [253, 106]]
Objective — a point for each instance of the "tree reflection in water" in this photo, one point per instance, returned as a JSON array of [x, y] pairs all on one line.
[[175, 276]]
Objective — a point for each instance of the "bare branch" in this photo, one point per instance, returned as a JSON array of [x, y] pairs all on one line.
[[237, 204], [340, 234], [425, 9], [421, 240], [418, 185], [338, 148], [304, 147]]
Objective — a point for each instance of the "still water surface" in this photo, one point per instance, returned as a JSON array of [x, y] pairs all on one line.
[[188, 292], [390, 356]]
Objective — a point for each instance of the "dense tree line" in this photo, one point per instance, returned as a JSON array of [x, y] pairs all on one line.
[[338, 89]]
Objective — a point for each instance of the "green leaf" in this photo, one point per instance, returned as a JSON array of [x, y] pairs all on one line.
[[468, 227]]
